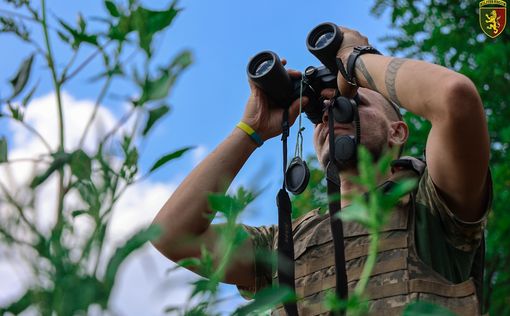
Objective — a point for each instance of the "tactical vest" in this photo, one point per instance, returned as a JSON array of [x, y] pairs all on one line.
[[398, 278]]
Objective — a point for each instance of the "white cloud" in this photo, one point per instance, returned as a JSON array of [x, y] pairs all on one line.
[[136, 291]]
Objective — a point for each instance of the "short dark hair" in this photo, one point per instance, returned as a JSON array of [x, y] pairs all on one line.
[[393, 111]]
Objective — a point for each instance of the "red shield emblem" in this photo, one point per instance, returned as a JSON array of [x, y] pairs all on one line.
[[492, 17]]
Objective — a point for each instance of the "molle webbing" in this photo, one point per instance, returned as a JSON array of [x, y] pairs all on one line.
[[350, 253]]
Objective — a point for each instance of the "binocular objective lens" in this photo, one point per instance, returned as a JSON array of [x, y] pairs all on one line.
[[264, 67], [324, 40]]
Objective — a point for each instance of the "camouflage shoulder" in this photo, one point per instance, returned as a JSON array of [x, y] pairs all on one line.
[[305, 217]]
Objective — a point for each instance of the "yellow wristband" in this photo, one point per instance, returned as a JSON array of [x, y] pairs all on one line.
[[253, 135]]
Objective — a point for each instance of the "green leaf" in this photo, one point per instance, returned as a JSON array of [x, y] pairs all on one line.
[[59, 161], [132, 244], [19, 81], [64, 37], [112, 8], [231, 206], [356, 212], [3, 149], [189, 262], [81, 165], [366, 170], [199, 310], [159, 88], [81, 23], [240, 236], [77, 213], [79, 36], [168, 157], [204, 286], [154, 115], [148, 22], [227, 205], [29, 95], [422, 308], [90, 195], [266, 299], [16, 112], [400, 189]]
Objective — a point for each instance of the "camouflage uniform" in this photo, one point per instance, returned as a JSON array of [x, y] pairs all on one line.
[[425, 253]]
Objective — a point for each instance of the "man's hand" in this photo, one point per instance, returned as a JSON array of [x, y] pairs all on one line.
[[263, 116], [351, 39]]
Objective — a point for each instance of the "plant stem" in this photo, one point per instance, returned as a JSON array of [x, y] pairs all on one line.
[[96, 108], [69, 64], [33, 131], [121, 122], [66, 77], [59, 225], [369, 264], [18, 207], [56, 83], [19, 15]]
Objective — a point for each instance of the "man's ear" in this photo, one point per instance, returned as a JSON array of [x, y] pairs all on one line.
[[398, 133]]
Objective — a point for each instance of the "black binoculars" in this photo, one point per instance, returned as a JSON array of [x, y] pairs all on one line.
[[267, 72]]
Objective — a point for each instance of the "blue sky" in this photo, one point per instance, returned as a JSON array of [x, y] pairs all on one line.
[[209, 98]]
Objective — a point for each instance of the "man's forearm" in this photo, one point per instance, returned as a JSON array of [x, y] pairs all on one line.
[[187, 213], [425, 89]]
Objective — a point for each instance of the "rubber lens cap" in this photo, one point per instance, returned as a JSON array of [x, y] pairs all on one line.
[[297, 176]]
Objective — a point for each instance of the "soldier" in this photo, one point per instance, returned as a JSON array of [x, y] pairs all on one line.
[[429, 248]]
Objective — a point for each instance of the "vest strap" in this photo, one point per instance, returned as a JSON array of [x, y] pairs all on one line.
[[350, 253], [463, 289]]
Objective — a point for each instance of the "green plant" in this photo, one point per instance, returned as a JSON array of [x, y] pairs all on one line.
[[449, 34], [371, 213], [98, 177]]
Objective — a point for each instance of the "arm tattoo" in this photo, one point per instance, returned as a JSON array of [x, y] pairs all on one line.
[[363, 69], [391, 76]]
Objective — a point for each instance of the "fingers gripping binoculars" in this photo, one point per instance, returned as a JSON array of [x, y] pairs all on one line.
[[268, 73]]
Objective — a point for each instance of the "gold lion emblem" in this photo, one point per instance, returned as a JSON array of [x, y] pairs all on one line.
[[493, 21]]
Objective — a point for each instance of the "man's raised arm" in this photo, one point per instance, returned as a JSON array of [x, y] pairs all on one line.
[[185, 218], [458, 143]]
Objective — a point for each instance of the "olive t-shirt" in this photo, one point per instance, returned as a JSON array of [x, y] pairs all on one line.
[[443, 241]]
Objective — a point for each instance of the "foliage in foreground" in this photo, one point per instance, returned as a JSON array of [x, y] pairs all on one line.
[[71, 270], [449, 34], [371, 212]]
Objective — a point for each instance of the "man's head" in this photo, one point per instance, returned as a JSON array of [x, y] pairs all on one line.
[[381, 127]]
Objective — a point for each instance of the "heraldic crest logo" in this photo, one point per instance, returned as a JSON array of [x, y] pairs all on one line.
[[492, 17]]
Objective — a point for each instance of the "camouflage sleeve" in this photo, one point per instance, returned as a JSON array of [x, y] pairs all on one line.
[[262, 239], [465, 236]]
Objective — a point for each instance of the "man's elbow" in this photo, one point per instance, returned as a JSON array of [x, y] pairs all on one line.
[[462, 101], [161, 243]]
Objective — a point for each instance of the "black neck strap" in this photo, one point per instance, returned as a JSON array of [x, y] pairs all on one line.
[[334, 203], [285, 239], [286, 270]]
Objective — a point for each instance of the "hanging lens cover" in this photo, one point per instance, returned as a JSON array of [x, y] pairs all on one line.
[[297, 176]]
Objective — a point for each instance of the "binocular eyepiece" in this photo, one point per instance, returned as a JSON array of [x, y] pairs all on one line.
[[267, 72]]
